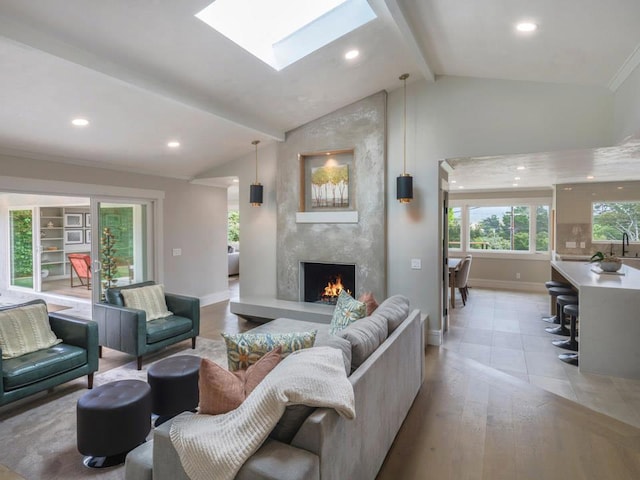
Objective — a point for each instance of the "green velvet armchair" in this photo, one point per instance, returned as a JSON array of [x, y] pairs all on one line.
[[34, 372], [127, 330]]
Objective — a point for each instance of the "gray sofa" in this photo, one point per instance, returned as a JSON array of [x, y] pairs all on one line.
[[326, 446]]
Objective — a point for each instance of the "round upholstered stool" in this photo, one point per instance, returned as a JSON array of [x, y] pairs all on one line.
[[112, 420], [174, 386], [553, 283], [570, 311], [554, 292], [562, 301], [570, 358]]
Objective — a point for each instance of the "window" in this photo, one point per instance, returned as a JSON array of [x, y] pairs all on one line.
[[494, 226], [611, 220]]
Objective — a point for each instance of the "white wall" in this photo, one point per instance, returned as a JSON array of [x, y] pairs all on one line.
[[194, 220], [257, 224], [469, 117], [627, 107]]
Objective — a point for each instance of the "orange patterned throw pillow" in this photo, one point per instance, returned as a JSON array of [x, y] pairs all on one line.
[[370, 302], [222, 391]]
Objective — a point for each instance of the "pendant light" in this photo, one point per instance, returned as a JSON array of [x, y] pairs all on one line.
[[255, 191], [404, 183]]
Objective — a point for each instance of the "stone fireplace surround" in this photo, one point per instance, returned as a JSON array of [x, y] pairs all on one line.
[[360, 126], [355, 236]]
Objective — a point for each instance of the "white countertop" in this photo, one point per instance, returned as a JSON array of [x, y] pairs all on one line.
[[581, 275]]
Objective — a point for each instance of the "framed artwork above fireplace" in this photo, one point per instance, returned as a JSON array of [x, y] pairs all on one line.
[[327, 187]]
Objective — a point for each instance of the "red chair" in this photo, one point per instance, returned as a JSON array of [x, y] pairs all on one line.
[[81, 265]]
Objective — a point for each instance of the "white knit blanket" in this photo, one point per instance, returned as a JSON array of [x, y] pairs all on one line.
[[214, 447]]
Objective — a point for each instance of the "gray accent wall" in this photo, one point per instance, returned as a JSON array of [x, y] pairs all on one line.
[[360, 126]]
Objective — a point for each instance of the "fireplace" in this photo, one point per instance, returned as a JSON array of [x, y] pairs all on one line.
[[322, 282]]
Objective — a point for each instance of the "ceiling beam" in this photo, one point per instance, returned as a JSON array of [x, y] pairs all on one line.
[[134, 76], [399, 17]]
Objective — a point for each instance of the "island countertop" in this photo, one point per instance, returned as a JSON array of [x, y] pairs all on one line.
[[609, 317], [581, 274]]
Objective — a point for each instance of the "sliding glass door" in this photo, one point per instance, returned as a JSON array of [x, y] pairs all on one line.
[[122, 251]]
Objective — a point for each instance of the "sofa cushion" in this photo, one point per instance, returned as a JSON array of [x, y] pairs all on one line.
[[365, 336], [370, 302], [222, 391], [167, 327], [150, 299], [244, 349], [33, 367], [395, 309], [347, 311], [25, 329]]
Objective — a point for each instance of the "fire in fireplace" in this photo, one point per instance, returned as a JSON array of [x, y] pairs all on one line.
[[323, 282]]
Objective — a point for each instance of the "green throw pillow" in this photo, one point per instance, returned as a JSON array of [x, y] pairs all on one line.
[[245, 349], [25, 330], [149, 298], [347, 311]]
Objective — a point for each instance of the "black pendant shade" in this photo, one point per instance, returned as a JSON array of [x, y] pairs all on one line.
[[404, 188], [255, 194]]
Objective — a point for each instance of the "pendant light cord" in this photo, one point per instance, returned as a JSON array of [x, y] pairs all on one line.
[[256, 142], [404, 77]]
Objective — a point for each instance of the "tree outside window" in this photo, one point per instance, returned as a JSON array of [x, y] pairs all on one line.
[[233, 226], [613, 219]]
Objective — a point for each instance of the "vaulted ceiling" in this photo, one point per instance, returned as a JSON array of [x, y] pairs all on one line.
[[146, 72]]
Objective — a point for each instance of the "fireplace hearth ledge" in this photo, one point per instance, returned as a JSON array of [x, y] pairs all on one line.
[[262, 310]]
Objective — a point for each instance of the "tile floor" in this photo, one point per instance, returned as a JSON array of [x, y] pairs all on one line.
[[503, 329]]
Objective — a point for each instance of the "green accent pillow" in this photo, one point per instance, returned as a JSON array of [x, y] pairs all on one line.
[[347, 311], [245, 349], [149, 298], [25, 330]]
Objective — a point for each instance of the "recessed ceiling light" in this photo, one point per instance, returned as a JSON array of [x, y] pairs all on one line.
[[173, 144], [351, 54], [460, 187], [454, 181], [521, 167], [526, 27], [516, 178], [515, 184], [620, 188], [590, 177], [80, 122], [328, 153], [235, 180]]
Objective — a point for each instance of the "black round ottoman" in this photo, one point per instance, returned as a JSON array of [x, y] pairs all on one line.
[[112, 420], [174, 386]]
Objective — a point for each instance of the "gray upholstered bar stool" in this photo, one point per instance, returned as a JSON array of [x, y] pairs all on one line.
[[554, 291], [572, 312], [561, 302]]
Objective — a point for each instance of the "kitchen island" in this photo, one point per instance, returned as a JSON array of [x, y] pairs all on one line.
[[609, 328]]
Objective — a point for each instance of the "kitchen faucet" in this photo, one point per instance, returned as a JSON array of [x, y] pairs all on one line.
[[624, 236]]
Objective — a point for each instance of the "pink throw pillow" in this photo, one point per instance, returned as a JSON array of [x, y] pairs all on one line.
[[222, 391], [369, 300]]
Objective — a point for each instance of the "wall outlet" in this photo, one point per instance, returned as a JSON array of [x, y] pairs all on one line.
[[571, 245], [416, 264], [518, 276], [177, 252]]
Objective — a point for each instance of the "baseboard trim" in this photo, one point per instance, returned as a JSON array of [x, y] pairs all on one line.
[[434, 337], [507, 285], [215, 297]]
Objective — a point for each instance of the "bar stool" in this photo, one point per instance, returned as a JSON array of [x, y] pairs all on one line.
[[570, 358], [554, 292], [571, 344], [561, 301]]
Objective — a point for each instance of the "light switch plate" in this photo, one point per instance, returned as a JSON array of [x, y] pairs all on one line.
[[570, 245], [177, 252], [416, 264]]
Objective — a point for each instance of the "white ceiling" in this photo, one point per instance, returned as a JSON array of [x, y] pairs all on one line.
[[148, 72]]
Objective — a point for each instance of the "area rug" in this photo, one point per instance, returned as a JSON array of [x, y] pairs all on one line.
[[38, 435]]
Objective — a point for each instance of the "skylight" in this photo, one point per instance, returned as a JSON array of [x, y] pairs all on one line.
[[281, 32]]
